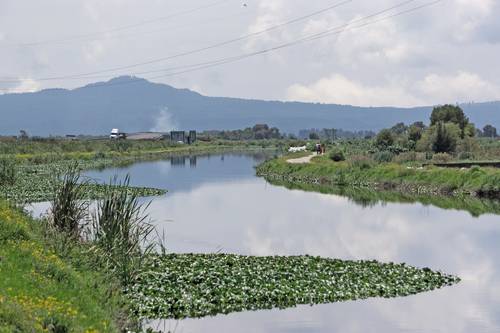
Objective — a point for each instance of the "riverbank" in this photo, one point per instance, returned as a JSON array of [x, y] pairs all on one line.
[[56, 150], [42, 291], [428, 180], [32, 170]]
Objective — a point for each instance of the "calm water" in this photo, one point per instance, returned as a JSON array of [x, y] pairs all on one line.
[[216, 204]]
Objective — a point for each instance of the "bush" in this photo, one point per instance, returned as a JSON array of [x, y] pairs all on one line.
[[466, 155], [396, 149], [337, 155], [383, 157], [384, 139], [441, 158], [7, 172], [406, 157], [361, 162]]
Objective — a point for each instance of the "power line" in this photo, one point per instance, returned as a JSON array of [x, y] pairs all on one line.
[[213, 46], [323, 34], [335, 30], [117, 29]]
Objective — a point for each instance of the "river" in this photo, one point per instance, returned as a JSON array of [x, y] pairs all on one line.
[[216, 203]]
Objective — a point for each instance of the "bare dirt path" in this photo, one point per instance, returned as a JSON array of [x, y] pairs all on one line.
[[302, 160]]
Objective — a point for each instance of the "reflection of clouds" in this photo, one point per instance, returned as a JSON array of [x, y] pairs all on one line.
[[251, 217]]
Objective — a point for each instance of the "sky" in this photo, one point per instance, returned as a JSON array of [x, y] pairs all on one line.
[[444, 53]]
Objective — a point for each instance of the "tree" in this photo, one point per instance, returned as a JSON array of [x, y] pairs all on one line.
[[415, 132], [419, 124], [313, 136], [489, 131], [450, 114], [384, 139], [444, 141], [23, 135], [260, 127], [399, 128]]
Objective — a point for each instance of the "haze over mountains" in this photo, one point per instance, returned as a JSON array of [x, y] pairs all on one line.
[[133, 104]]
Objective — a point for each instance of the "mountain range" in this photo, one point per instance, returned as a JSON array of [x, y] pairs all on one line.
[[133, 104]]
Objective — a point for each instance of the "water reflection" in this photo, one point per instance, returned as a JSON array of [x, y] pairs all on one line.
[[252, 217], [367, 197], [219, 205]]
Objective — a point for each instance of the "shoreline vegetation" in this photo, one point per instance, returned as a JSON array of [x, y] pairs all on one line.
[[416, 180], [448, 157]]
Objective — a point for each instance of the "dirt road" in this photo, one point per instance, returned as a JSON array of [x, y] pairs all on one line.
[[302, 160]]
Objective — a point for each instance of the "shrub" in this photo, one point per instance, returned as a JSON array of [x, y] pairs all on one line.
[[442, 158], [466, 155], [383, 157], [99, 155], [384, 139], [406, 157], [396, 149], [337, 155], [361, 162], [476, 169], [7, 172]]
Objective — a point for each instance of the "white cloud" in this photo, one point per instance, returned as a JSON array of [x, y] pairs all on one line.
[[93, 51], [468, 15], [462, 87], [432, 89], [340, 90], [24, 85]]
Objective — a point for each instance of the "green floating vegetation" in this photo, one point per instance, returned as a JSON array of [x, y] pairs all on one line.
[[178, 286], [34, 182]]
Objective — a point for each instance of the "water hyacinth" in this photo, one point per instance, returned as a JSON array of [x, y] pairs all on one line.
[[178, 286], [34, 182]]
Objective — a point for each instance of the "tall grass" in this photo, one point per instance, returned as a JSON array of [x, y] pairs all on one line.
[[69, 208], [121, 232]]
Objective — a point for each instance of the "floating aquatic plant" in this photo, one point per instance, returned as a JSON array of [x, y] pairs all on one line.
[[34, 182], [196, 285]]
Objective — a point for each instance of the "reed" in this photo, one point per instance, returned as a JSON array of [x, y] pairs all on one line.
[[120, 230], [69, 208]]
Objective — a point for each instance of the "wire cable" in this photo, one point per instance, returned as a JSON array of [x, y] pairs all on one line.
[[326, 33]]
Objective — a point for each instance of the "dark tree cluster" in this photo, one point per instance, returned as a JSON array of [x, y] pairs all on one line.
[[257, 132], [449, 128]]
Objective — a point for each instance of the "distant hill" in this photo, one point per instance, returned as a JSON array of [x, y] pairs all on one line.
[[135, 105]]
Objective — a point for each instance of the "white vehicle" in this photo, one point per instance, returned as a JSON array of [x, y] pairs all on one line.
[[296, 149], [115, 132]]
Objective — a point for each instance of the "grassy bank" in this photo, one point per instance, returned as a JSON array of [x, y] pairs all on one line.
[[40, 291], [476, 181]]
